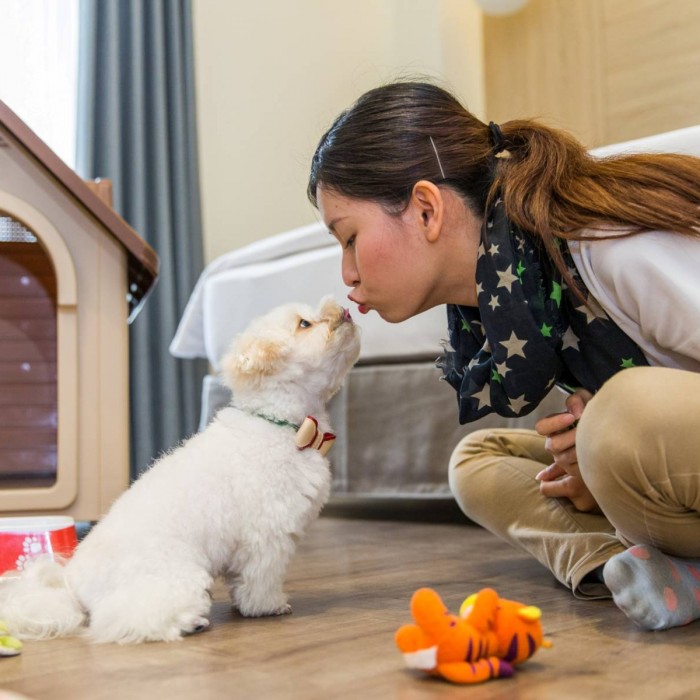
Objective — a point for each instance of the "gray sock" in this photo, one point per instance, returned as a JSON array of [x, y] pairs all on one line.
[[653, 589]]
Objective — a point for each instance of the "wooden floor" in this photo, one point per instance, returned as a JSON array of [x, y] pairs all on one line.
[[350, 585]]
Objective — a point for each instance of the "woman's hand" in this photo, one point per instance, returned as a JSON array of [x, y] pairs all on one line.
[[562, 479]]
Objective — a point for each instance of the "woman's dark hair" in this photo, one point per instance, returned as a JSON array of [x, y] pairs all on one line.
[[380, 147], [403, 132]]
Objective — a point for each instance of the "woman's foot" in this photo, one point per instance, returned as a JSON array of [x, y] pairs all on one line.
[[653, 589]]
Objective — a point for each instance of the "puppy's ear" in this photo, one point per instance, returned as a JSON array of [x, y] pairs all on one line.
[[251, 358]]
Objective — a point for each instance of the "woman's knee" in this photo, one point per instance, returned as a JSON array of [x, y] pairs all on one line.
[[482, 463], [632, 401], [616, 422], [469, 447], [466, 473]]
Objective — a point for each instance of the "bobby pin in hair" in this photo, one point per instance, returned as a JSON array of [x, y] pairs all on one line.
[[442, 172]]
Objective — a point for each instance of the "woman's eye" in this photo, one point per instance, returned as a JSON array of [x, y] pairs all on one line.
[[350, 242], [303, 323]]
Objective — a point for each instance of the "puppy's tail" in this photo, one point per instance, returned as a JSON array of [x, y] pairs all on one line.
[[37, 603]]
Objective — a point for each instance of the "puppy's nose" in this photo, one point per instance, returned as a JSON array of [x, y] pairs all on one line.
[[335, 314], [339, 317]]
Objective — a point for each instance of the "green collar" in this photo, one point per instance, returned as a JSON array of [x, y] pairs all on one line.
[[275, 421], [307, 434]]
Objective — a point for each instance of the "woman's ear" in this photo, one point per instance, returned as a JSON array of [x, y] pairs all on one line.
[[428, 203]]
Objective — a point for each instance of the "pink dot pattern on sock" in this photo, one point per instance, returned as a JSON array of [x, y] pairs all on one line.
[[639, 551], [696, 593], [674, 571], [670, 598], [694, 572]]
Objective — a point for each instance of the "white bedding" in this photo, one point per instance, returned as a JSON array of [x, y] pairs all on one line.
[[300, 265], [686, 140]]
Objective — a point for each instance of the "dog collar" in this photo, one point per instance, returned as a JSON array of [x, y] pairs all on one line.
[[308, 434], [275, 421]]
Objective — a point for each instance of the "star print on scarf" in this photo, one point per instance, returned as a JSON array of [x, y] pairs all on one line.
[[529, 331]]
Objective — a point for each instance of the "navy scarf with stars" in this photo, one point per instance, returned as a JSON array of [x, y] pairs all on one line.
[[529, 331]]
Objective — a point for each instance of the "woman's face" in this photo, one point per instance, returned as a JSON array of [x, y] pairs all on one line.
[[386, 258]]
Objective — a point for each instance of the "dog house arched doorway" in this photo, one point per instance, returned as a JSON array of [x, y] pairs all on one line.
[[38, 359]]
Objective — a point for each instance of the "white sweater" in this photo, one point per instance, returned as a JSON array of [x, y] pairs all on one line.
[[649, 284]]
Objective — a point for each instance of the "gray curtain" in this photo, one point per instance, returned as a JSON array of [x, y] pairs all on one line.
[[136, 126]]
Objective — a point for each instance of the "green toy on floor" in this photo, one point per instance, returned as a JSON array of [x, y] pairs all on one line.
[[9, 645]]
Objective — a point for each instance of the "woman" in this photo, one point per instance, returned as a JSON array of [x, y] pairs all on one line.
[[557, 268]]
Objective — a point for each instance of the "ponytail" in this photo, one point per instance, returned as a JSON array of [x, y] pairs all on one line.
[[554, 189]]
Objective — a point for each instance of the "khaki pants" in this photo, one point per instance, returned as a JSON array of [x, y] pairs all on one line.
[[638, 447]]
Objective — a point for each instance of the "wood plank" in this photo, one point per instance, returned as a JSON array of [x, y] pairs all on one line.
[[607, 70], [349, 586], [23, 461], [33, 260], [27, 481], [34, 308], [23, 416], [30, 438], [25, 285], [28, 350], [12, 249], [652, 81], [23, 328], [28, 395], [545, 62], [27, 372]]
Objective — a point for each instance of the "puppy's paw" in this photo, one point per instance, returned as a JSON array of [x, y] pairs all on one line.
[[261, 610], [192, 624], [286, 609]]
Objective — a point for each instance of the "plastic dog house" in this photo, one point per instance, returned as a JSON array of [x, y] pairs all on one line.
[[71, 273]]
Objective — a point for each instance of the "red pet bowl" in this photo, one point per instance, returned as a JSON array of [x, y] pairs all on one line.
[[23, 539]]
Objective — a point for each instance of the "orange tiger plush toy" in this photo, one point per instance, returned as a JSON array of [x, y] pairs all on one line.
[[485, 641]]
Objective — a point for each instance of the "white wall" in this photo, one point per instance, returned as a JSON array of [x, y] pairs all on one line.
[[39, 59], [273, 74]]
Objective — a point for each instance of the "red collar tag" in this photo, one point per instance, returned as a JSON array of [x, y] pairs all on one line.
[[309, 435]]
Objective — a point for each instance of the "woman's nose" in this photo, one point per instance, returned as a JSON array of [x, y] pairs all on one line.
[[349, 270]]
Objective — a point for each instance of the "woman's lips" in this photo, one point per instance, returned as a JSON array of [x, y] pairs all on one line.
[[362, 308]]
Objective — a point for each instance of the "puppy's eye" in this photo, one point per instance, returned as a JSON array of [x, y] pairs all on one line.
[[303, 323]]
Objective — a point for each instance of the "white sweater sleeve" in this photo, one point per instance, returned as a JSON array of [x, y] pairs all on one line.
[[649, 284]]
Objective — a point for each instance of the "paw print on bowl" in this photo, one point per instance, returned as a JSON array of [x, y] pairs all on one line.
[[24, 539], [31, 546]]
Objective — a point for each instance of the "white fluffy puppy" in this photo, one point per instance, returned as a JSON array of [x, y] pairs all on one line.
[[229, 502]]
